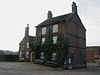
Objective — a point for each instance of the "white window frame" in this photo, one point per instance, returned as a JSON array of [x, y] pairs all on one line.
[[69, 60], [54, 56], [42, 55], [55, 28], [44, 30], [20, 53], [27, 44], [43, 40], [27, 54], [55, 39]]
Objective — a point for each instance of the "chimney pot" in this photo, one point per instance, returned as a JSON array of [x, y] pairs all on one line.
[[49, 14]]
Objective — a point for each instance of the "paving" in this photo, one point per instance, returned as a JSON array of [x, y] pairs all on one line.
[[24, 68]]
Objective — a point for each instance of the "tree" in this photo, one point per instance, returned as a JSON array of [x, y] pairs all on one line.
[[62, 49], [48, 46]]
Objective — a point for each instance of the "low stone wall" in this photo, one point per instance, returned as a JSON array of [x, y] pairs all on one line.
[[8, 58]]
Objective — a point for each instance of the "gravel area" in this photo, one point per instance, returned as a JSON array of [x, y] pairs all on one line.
[[23, 68]]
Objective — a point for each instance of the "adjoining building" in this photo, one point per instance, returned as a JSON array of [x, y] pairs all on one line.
[[92, 54], [25, 51], [74, 31]]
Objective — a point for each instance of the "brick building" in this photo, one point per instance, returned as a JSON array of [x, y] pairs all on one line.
[[74, 31], [92, 53], [25, 51]]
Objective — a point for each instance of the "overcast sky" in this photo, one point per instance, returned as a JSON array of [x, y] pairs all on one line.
[[16, 14]]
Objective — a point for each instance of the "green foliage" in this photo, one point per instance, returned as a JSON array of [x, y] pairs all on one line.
[[37, 48], [31, 45], [48, 46], [62, 49]]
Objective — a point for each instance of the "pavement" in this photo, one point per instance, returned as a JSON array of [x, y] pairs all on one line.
[[24, 68]]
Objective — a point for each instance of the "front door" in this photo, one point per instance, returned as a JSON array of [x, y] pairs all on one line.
[[32, 57]]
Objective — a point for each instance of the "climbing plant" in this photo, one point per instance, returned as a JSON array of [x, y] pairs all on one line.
[[37, 48], [48, 46], [62, 49]]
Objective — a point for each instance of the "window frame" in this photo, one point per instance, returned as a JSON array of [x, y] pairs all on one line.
[[54, 55], [55, 28], [42, 55], [27, 44], [55, 41], [44, 30], [20, 54], [27, 54], [43, 40]]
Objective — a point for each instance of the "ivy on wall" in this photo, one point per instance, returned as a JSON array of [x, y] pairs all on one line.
[[37, 48], [61, 48], [48, 46]]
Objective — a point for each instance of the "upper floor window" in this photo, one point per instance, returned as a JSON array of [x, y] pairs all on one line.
[[44, 30], [55, 39], [55, 28], [27, 44], [43, 40]]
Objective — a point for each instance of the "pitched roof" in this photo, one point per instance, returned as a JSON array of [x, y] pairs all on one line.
[[54, 20], [30, 39], [72, 16]]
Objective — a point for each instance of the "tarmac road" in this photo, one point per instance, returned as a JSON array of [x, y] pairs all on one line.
[[22, 68]]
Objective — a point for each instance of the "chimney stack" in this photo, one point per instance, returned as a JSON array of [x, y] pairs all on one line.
[[27, 30], [49, 15], [74, 7]]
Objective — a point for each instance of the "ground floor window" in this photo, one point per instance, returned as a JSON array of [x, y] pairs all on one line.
[[42, 55], [54, 56], [20, 54], [69, 61]]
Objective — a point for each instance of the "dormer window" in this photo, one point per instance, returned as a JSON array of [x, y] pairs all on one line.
[[55, 28], [44, 30]]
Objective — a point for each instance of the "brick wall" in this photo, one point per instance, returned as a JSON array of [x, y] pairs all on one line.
[[90, 55]]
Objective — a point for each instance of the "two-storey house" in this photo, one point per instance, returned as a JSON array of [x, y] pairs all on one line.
[[74, 31]]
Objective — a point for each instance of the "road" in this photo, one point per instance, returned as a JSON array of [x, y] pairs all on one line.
[[22, 68]]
